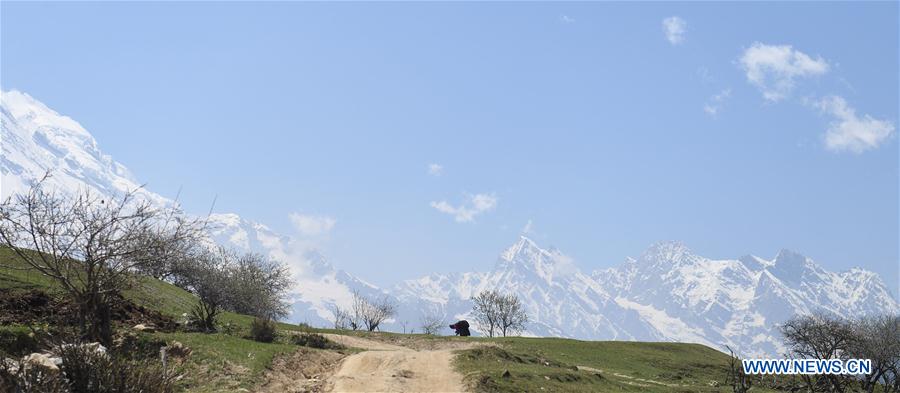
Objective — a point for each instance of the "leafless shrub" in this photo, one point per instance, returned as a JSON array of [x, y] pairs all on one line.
[[341, 317], [432, 322], [92, 246]]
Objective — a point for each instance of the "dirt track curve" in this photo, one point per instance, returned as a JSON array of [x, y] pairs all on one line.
[[385, 367]]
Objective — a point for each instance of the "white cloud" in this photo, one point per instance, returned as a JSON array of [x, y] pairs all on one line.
[[774, 68], [715, 103], [566, 19], [849, 132], [474, 206], [310, 225], [435, 169], [674, 29]]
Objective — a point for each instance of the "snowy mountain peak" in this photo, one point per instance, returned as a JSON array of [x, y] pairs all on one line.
[[791, 266], [37, 140], [754, 263], [523, 248], [668, 252], [25, 109], [790, 257]]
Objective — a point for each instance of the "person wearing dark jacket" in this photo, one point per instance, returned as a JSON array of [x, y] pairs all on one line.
[[461, 327]]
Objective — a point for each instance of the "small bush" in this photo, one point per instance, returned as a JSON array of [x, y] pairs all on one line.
[[17, 341], [262, 330], [314, 340], [86, 370], [137, 346]]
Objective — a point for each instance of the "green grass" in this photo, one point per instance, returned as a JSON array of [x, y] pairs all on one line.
[[219, 362], [222, 362], [605, 366], [14, 274]]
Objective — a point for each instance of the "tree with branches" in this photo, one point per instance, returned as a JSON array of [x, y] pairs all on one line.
[[511, 315], [259, 286], [485, 310], [365, 312], [92, 247], [341, 317], [819, 336], [208, 276], [877, 338], [432, 321], [499, 313]]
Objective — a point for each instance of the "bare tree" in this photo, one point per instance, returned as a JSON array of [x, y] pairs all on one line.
[[379, 310], [511, 316], [370, 313], [341, 317], [92, 246], [819, 336], [357, 310], [877, 338], [498, 313], [485, 310], [432, 321]]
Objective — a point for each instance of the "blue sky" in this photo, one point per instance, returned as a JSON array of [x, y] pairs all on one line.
[[735, 128]]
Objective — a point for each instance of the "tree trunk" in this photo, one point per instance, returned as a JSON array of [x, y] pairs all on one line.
[[95, 319]]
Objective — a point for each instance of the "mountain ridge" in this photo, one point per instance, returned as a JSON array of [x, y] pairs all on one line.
[[667, 293]]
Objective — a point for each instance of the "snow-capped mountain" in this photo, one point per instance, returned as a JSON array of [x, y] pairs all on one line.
[[560, 299], [666, 294], [740, 302], [36, 139]]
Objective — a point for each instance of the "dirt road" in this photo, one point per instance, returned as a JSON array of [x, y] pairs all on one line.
[[386, 367]]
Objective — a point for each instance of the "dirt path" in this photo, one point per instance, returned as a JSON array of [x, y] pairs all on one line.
[[385, 367], [304, 371]]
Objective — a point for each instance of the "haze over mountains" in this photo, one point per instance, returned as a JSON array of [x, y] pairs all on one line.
[[666, 294]]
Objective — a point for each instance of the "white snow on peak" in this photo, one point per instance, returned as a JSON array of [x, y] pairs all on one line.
[[37, 140]]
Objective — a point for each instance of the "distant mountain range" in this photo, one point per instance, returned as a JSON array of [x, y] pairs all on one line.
[[666, 294]]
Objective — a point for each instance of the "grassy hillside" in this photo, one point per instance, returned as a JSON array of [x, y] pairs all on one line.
[[227, 361], [553, 364], [219, 362]]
